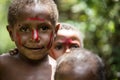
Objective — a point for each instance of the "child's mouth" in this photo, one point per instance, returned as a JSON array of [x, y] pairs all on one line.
[[34, 48]]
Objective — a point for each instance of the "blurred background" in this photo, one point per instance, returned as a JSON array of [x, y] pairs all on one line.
[[98, 20]]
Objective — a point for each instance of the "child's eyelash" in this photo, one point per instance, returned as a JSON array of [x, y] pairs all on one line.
[[43, 27], [24, 28]]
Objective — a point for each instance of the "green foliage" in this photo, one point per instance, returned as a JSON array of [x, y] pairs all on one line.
[[5, 42]]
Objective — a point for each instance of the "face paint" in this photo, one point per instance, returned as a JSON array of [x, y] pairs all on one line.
[[35, 35], [50, 43], [35, 19], [67, 41], [18, 38]]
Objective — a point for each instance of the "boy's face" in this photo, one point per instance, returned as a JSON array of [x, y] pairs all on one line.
[[33, 33], [65, 40]]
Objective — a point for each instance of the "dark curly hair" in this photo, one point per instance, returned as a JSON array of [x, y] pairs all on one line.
[[16, 8]]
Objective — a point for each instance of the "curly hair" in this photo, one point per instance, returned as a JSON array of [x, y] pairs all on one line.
[[16, 8]]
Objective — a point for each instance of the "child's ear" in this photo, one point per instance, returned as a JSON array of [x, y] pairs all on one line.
[[9, 29], [57, 28]]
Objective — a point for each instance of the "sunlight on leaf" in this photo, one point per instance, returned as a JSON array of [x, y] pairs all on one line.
[[111, 26]]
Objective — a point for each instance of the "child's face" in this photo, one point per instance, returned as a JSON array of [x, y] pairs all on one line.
[[65, 40], [33, 33]]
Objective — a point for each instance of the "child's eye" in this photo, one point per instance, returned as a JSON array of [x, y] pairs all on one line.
[[59, 47], [43, 27], [24, 28], [74, 46]]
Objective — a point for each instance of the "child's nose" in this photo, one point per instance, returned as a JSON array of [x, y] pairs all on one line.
[[67, 49], [35, 35]]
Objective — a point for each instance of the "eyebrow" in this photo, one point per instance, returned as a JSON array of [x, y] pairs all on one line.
[[59, 43]]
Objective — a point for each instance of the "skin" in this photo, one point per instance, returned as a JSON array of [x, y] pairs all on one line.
[[83, 73], [33, 35], [64, 41]]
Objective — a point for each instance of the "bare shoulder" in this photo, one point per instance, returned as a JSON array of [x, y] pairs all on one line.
[[3, 59], [4, 56]]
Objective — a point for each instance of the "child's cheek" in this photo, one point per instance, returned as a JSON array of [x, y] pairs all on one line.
[[18, 38]]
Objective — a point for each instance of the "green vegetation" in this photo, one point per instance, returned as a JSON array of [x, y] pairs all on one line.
[[5, 42]]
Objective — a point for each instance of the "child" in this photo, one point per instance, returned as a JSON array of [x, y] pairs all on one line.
[[67, 37], [79, 64], [32, 28]]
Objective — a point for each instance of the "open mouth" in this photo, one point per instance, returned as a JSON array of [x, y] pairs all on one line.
[[34, 48]]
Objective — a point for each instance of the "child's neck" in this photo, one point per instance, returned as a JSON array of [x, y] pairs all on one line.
[[33, 62]]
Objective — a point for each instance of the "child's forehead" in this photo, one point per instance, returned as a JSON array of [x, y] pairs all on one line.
[[67, 33], [36, 11]]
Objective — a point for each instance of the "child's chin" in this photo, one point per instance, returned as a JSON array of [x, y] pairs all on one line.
[[36, 57]]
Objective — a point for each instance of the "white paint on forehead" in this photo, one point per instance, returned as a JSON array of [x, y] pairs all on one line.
[[39, 6], [67, 32]]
